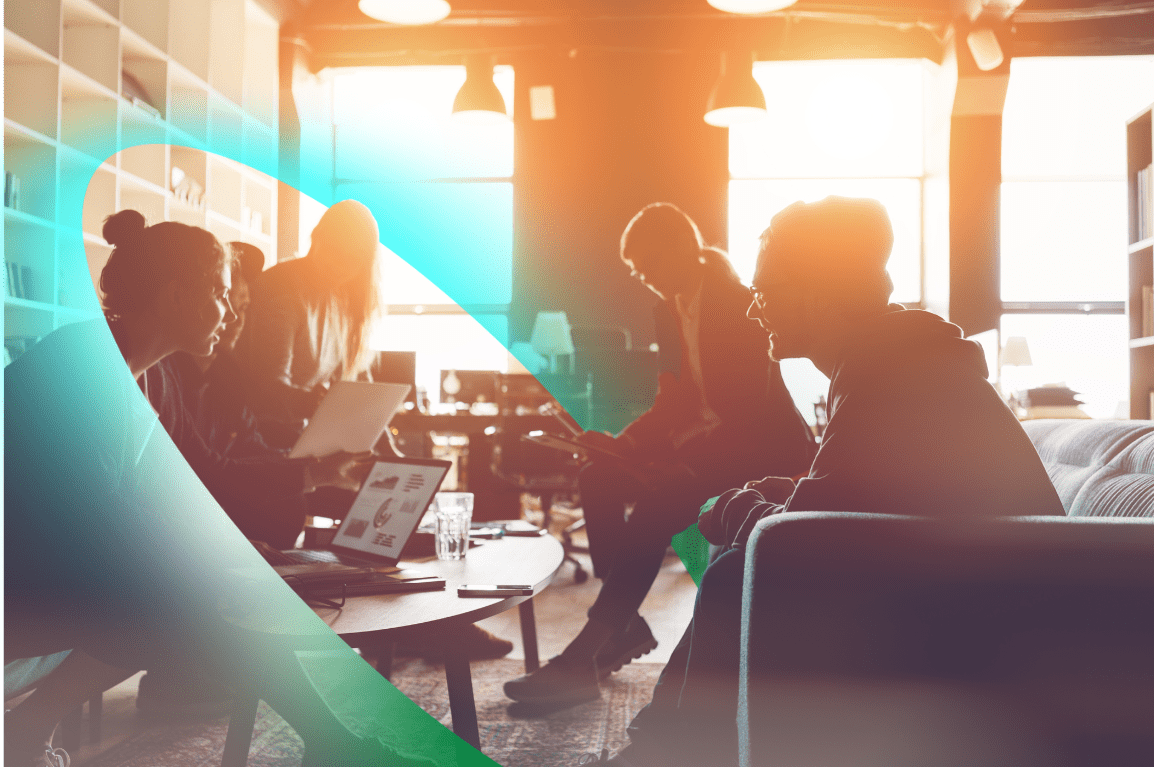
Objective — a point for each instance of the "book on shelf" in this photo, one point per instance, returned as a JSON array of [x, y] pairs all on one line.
[[1145, 184], [15, 281], [1147, 311], [11, 190], [21, 280]]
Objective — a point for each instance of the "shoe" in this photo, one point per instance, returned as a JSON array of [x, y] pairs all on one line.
[[560, 681], [604, 758], [628, 645], [477, 643], [52, 757]]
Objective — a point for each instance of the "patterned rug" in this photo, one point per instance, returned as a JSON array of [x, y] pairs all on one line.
[[509, 735]]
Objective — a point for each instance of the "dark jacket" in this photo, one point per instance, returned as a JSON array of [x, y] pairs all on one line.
[[914, 428], [262, 495], [742, 386], [217, 403]]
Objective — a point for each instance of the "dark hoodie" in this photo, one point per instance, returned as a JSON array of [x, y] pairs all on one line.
[[914, 428]]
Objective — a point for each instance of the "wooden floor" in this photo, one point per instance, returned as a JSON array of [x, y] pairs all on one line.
[[560, 612]]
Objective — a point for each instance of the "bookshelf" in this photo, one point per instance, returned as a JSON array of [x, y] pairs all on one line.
[[163, 81], [1140, 302]]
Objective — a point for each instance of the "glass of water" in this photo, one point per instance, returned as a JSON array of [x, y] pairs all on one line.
[[454, 512]]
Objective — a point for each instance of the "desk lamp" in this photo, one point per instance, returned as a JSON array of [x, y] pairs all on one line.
[[1015, 353], [552, 336]]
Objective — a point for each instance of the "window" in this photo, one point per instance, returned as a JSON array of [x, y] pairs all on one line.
[[1063, 220], [442, 193], [852, 128]]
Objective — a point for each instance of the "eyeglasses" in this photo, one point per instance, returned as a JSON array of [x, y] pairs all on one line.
[[758, 298]]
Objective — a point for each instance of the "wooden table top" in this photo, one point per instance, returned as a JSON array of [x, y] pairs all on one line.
[[511, 559]]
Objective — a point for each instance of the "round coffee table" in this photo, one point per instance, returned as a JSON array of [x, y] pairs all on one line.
[[373, 621]]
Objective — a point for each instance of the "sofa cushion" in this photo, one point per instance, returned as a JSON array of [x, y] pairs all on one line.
[[1100, 468]]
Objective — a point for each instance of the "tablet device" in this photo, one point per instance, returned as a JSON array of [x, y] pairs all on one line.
[[352, 417], [571, 445]]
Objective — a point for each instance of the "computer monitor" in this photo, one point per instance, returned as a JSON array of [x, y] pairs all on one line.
[[396, 367]]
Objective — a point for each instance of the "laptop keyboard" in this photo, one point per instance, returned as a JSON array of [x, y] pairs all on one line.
[[297, 556]]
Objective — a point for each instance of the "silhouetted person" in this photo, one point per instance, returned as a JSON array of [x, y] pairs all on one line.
[[914, 428], [309, 321], [723, 417], [113, 547]]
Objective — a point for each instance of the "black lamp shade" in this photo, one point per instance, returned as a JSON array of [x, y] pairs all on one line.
[[736, 96]]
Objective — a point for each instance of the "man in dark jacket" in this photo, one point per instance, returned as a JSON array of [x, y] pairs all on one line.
[[723, 417], [914, 428]]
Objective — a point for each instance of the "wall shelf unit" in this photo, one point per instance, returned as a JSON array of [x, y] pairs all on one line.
[[164, 78], [1140, 301]]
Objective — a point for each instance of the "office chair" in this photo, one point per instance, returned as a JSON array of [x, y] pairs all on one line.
[[544, 472]]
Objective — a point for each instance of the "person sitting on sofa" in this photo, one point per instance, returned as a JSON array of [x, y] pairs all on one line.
[[914, 428], [726, 416]]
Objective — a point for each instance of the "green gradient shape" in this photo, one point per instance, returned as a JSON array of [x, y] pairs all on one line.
[[360, 697]]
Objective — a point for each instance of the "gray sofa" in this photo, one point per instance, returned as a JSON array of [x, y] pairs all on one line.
[[902, 641]]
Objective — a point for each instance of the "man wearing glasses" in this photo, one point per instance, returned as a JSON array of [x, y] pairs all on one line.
[[914, 428]]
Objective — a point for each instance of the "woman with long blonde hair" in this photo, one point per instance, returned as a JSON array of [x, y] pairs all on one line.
[[309, 321]]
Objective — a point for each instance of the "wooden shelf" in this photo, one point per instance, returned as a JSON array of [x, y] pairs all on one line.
[[1139, 153], [18, 215], [1141, 245], [71, 129]]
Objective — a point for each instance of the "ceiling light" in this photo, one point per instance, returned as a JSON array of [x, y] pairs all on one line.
[[736, 96], [479, 99], [405, 11], [984, 47], [750, 6]]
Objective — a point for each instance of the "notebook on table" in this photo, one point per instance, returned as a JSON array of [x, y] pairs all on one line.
[[363, 555]]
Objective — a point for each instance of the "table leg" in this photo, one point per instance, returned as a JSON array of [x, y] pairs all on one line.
[[529, 636], [461, 703], [238, 739]]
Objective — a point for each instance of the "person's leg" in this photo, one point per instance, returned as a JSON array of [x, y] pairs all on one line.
[[615, 634], [692, 717], [605, 490], [28, 728]]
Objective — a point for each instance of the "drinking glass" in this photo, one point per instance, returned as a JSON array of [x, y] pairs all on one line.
[[454, 512]]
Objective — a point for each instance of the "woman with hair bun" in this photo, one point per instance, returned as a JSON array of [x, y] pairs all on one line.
[[113, 547]]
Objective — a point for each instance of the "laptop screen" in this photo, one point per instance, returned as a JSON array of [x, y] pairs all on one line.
[[389, 506]]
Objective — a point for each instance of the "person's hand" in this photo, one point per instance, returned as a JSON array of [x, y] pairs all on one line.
[[344, 470], [773, 489], [602, 441]]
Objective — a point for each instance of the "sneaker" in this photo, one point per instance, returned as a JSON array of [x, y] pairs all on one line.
[[628, 645], [604, 758], [477, 643], [52, 757], [561, 681]]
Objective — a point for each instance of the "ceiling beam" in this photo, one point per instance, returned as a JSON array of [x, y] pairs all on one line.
[[771, 38]]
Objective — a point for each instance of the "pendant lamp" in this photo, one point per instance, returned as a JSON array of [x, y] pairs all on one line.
[[405, 11], [750, 6], [479, 100], [736, 96]]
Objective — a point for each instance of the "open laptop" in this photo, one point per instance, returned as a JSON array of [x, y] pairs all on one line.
[[367, 546]]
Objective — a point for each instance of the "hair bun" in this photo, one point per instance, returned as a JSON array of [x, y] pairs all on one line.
[[124, 227]]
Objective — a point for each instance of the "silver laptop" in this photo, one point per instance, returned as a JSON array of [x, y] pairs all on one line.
[[387, 510]]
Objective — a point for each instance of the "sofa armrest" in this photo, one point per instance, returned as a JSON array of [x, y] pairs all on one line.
[[901, 640]]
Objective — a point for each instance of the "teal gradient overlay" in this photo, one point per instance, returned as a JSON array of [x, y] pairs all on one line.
[[248, 614]]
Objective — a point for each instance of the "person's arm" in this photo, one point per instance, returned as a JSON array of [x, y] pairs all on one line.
[[731, 518], [267, 355]]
